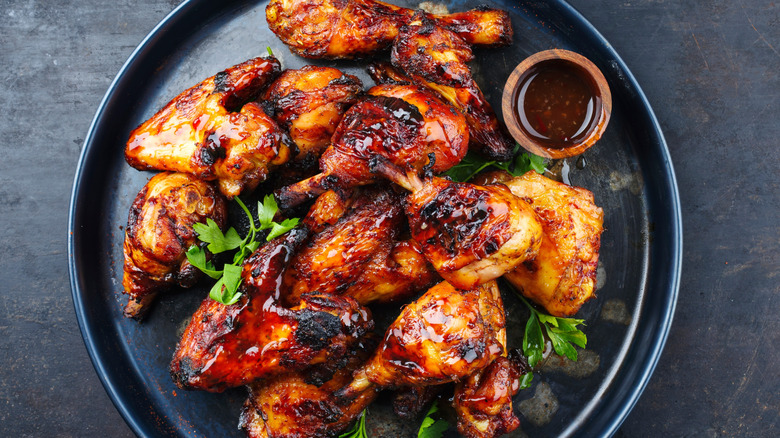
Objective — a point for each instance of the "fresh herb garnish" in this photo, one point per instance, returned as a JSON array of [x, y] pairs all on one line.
[[358, 429], [229, 277], [473, 163], [270, 52], [525, 380], [431, 428], [563, 332]]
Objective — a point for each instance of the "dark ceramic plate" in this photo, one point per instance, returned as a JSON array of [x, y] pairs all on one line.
[[629, 171]]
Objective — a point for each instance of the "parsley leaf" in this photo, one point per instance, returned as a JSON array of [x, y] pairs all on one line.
[[474, 163], [562, 332], [358, 429], [229, 277], [431, 428], [525, 380], [197, 258]]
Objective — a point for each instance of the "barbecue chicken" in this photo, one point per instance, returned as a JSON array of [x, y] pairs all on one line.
[[562, 276], [359, 28], [211, 132], [436, 58], [309, 103], [227, 346], [405, 124], [159, 232]]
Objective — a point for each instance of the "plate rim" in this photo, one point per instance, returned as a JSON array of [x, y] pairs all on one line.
[[638, 378]]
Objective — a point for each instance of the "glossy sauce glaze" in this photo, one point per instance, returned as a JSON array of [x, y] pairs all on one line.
[[555, 104]]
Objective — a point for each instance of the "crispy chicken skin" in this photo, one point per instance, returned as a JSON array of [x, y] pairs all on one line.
[[296, 405], [483, 401], [210, 131], [405, 124], [159, 232], [563, 275], [309, 103], [228, 346], [360, 255], [444, 336], [436, 57], [359, 28]]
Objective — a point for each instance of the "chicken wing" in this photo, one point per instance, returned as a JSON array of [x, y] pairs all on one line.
[[436, 57], [444, 336], [227, 346], [296, 405], [405, 124], [360, 255], [309, 103], [208, 131], [563, 274], [159, 232], [359, 28]]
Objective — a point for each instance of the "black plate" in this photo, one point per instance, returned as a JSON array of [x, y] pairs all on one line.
[[629, 171]]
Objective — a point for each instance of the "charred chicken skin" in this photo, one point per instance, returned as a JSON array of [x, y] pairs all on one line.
[[436, 58], [159, 232], [211, 132], [360, 256], [227, 346], [405, 124], [296, 405], [562, 276], [444, 336], [358, 28], [309, 103], [471, 234]]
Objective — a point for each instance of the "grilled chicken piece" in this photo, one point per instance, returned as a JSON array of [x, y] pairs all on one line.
[[563, 274], [471, 234], [296, 405], [360, 255], [483, 401], [228, 346], [405, 124], [309, 103], [409, 402], [436, 57], [208, 131], [359, 28], [444, 336], [159, 232]]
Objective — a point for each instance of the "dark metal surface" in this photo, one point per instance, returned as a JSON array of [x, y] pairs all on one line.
[[709, 70]]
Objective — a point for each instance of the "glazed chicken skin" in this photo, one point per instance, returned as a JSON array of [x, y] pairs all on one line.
[[563, 275], [360, 255], [359, 28], [444, 336], [309, 103], [211, 132], [159, 232], [436, 58], [228, 346], [471, 234], [405, 124], [483, 401], [296, 405]]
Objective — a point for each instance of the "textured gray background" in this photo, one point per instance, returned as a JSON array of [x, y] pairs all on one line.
[[709, 68]]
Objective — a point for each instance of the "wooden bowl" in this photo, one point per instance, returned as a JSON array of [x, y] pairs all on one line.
[[598, 88]]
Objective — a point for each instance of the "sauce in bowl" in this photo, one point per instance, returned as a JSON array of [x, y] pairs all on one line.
[[556, 104]]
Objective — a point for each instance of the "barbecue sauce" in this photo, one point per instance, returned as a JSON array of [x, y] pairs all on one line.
[[556, 104]]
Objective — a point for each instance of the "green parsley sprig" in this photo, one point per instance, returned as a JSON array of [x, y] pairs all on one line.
[[358, 429], [225, 290], [474, 163], [562, 332], [431, 428]]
